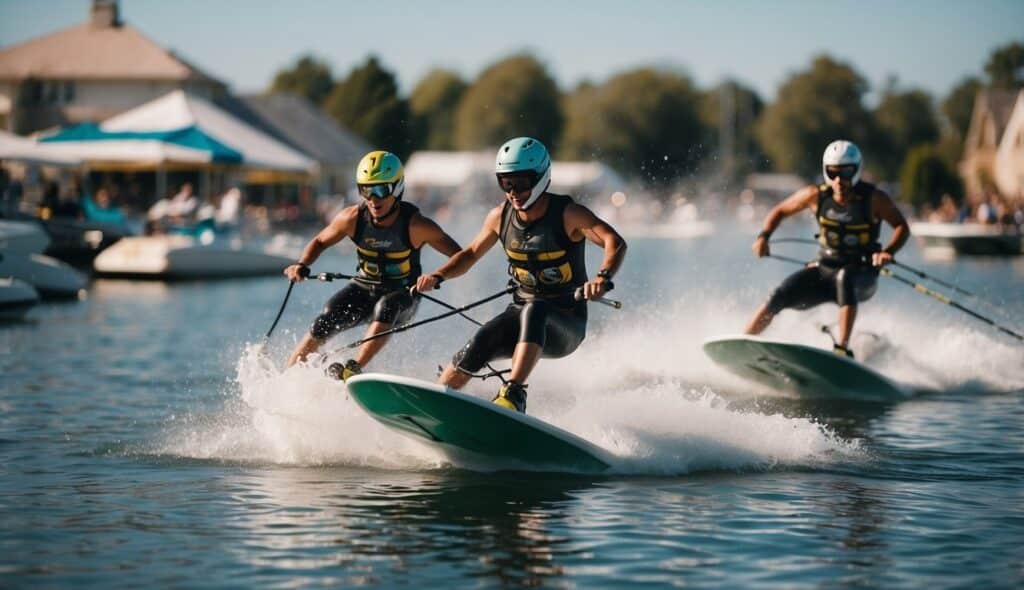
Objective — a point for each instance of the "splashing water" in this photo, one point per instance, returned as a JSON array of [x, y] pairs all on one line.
[[301, 417], [639, 386]]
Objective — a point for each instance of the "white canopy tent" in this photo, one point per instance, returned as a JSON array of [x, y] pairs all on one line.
[[470, 175], [178, 128], [21, 149], [179, 109]]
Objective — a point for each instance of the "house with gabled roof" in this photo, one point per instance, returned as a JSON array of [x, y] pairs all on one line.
[[1008, 171], [992, 110], [91, 72]]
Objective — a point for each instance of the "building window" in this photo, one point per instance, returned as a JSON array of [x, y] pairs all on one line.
[[69, 92], [53, 92]]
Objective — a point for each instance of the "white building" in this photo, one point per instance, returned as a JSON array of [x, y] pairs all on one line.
[[90, 72], [1008, 170]]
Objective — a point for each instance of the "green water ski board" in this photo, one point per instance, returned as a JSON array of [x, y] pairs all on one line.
[[454, 420], [804, 370]]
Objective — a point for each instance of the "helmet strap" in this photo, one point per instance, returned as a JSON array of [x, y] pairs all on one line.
[[539, 189]]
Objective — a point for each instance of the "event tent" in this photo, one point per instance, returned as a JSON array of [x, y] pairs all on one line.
[[21, 149], [178, 128]]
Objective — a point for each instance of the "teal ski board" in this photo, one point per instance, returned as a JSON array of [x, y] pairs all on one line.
[[800, 369], [460, 422]]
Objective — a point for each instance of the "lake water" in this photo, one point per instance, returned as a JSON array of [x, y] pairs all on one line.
[[144, 441]]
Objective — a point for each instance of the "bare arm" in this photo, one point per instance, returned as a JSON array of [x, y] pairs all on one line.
[[883, 208], [464, 259], [425, 231], [805, 198], [342, 225], [581, 222]]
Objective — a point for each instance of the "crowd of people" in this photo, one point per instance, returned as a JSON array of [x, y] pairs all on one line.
[[185, 212], [990, 209]]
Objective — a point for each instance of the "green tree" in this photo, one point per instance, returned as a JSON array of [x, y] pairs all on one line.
[[729, 112], [432, 105], [644, 123], [309, 77], [904, 120], [926, 177], [1005, 67], [959, 106], [512, 98], [367, 102], [814, 108]]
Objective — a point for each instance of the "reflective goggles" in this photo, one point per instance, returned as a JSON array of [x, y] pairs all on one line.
[[846, 171], [517, 183], [376, 191]]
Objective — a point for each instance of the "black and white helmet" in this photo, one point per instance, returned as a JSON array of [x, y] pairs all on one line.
[[842, 153]]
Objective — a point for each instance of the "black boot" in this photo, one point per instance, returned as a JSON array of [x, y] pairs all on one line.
[[343, 372]]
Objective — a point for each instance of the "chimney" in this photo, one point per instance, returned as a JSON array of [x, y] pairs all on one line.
[[104, 14]]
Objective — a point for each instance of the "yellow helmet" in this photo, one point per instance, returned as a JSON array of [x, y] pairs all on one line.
[[380, 169]]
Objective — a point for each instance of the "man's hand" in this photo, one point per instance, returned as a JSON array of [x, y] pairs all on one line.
[[428, 282], [760, 247], [880, 259], [296, 272], [595, 289]]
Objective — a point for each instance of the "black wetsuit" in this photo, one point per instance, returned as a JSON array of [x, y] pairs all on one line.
[[842, 273], [547, 267], [388, 264]]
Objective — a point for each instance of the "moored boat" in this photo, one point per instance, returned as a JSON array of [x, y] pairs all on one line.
[[16, 298], [946, 240], [185, 257]]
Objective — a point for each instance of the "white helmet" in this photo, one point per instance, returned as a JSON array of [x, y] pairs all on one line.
[[842, 153]]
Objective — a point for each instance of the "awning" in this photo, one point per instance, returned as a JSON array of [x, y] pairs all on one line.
[[21, 149], [180, 128]]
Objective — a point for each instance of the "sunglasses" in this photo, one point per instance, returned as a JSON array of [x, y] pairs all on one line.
[[846, 172], [517, 184], [376, 191]]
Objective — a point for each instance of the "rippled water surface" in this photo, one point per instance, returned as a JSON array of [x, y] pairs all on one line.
[[143, 440]]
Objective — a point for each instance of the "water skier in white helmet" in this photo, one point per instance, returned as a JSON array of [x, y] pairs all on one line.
[[849, 213]]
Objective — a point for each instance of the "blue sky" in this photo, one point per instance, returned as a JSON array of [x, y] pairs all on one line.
[[926, 44]]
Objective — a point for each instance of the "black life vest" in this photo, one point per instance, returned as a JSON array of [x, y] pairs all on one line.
[[542, 260], [385, 253], [847, 233]]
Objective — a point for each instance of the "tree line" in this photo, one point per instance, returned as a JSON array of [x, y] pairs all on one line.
[[654, 125]]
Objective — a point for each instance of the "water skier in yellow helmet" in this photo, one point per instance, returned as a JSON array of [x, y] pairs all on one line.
[[388, 233]]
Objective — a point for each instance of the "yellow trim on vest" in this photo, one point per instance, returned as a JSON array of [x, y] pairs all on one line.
[[542, 257], [391, 255], [372, 269], [858, 226], [525, 277], [829, 222], [566, 270]]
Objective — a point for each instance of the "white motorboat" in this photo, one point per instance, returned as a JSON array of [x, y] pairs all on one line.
[[16, 298], [52, 278], [946, 240], [184, 257], [22, 237]]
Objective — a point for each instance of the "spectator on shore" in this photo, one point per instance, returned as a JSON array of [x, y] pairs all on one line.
[[986, 211], [101, 208], [175, 211]]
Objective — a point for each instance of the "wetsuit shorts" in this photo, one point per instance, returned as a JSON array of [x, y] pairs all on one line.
[[821, 282], [557, 328], [356, 304]]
